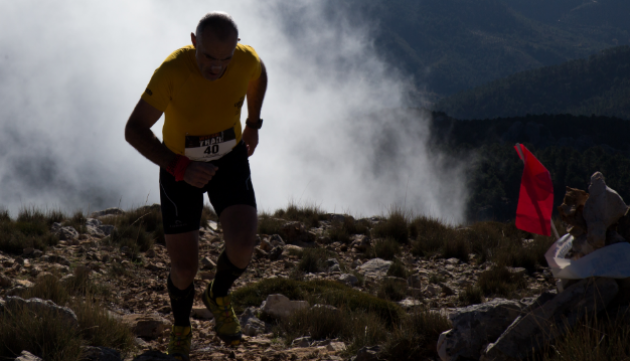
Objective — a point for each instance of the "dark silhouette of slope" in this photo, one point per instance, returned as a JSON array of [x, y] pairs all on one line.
[[598, 85]]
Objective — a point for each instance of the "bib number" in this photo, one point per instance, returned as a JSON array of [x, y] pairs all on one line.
[[205, 148]]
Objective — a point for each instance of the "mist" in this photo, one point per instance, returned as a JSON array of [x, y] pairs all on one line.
[[336, 134]]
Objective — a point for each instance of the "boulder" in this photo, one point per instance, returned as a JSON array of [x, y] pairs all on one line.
[[375, 268], [553, 319], [280, 306], [67, 233], [44, 308], [348, 279], [100, 354], [475, 326], [276, 253], [147, 326], [27, 356]]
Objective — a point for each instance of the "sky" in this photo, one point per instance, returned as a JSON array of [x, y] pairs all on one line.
[[336, 133]]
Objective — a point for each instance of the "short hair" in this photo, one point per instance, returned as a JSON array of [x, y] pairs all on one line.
[[220, 23]]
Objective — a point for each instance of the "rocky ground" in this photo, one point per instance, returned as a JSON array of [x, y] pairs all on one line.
[[136, 287]]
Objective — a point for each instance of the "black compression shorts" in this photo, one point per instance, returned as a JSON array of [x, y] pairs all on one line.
[[182, 203]]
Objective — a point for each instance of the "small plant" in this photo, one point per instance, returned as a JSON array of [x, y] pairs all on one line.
[[341, 231], [395, 227], [269, 225], [457, 247], [309, 214], [313, 260], [430, 236], [49, 287], [392, 290], [98, 328]]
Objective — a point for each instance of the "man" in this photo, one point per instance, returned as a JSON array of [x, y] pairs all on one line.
[[201, 89]]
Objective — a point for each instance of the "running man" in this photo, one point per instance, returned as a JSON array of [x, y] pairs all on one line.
[[201, 89]]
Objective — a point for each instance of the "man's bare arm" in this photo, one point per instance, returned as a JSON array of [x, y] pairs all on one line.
[[138, 133], [256, 94]]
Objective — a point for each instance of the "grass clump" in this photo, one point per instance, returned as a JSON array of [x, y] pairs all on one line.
[[30, 229], [500, 281], [321, 291], [313, 260], [398, 269], [387, 249], [415, 337], [395, 227], [269, 225], [392, 290], [430, 236], [341, 231], [139, 229], [98, 328], [47, 335], [472, 295], [309, 214]]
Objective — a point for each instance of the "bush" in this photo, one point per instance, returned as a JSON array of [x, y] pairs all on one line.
[[138, 228], [457, 246], [269, 225], [398, 269], [391, 290], [98, 328], [430, 236], [49, 288], [341, 231], [384, 248], [471, 295], [313, 260], [394, 227]]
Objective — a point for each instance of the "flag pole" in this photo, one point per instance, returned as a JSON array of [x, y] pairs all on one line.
[[553, 226]]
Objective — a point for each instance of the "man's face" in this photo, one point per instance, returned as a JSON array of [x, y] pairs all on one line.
[[213, 56]]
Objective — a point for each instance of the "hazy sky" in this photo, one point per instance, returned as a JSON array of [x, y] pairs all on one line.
[[72, 71]]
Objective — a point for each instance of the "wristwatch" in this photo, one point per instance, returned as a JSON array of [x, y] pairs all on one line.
[[255, 125]]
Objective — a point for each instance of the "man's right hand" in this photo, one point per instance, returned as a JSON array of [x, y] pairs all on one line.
[[198, 174]]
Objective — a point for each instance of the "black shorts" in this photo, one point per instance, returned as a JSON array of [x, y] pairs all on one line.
[[182, 203]]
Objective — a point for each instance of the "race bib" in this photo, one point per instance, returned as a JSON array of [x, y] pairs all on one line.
[[204, 148]]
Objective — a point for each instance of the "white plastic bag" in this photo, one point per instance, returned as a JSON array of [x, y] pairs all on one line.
[[610, 261]]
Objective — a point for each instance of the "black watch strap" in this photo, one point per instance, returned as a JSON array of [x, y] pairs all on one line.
[[255, 125]]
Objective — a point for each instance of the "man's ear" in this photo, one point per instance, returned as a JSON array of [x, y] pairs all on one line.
[[193, 39]]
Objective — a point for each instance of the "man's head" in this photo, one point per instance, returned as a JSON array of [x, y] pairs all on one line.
[[214, 40]]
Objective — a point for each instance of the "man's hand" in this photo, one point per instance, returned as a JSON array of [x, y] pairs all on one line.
[[198, 174], [250, 137]]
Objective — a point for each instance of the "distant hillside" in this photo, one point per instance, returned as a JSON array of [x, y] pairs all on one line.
[[454, 45], [598, 85]]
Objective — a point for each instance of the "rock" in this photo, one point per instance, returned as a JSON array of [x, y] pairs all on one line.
[[544, 324], [375, 268], [100, 354], [56, 259], [367, 354], [348, 279], [519, 271], [571, 211], [280, 306], [432, 290], [259, 253], [147, 326], [302, 342], [27, 356], [452, 261], [291, 247], [336, 347], [265, 245], [409, 303], [107, 212], [43, 308], [207, 263], [603, 208], [154, 356], [201, 312], [475, 326], [95, 232], [107, 229], [296, 234], [5, 282], [65, 233], [276, 253], [276, 240], [252, 326], [360, 242]]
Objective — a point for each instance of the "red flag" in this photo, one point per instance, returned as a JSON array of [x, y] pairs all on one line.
[[535, 202]]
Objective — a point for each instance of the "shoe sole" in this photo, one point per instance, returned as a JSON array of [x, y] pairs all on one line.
[[231, 340]]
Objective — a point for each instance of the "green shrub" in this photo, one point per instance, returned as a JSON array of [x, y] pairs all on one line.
[[391, 290], [4, 215], [49, 287], [98, 328], [386, 248], [269, 225], [430, 236], [341, 231], [457, 246], [313, 260], [396, 227], [147, 223]]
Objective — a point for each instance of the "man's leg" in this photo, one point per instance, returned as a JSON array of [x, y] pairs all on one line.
[[183, 250], [239, 224]]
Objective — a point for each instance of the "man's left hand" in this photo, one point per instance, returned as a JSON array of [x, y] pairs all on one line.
[[250, 137]]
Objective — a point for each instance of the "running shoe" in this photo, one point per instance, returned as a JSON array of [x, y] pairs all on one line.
[[226, 324], [179, 344]]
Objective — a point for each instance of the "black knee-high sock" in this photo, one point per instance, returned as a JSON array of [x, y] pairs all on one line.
[[227, 273], [181, 302]]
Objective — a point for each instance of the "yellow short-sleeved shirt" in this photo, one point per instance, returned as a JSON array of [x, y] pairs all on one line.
[[194, 106]]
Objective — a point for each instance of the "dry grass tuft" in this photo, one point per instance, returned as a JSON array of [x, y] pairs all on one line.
[[500, 281], [395, 227]]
